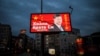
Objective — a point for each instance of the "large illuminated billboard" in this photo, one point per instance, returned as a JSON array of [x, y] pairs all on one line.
[[50, 22]]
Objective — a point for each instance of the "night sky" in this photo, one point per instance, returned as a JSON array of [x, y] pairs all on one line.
[[85, 15]]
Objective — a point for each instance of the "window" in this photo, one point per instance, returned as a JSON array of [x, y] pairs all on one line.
[[47, 42], [47, 36]]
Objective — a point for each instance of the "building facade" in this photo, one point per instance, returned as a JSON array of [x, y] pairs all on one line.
[[5, 36], [63, 42]]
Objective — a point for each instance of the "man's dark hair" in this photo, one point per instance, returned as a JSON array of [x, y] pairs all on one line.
[[56, 15]]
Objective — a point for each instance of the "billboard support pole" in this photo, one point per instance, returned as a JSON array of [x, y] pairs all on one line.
[[41, 6], [42, 34]]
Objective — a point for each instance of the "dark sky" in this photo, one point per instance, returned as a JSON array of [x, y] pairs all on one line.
[[85, 15]]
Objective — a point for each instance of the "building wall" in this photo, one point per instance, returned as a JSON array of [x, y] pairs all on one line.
[[5, 35], [38, 41], [62, 42]]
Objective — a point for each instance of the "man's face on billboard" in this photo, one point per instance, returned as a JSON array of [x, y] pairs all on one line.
[[58, 20]]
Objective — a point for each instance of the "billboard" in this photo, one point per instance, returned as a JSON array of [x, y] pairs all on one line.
[[50, 22]]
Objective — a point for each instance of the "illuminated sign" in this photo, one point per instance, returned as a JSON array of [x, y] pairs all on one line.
[[51, 51], [50, 22]]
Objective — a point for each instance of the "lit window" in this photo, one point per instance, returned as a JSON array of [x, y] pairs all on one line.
[[46, 39], [47, 36]]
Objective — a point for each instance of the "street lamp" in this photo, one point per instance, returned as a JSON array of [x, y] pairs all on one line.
[[71, 9]]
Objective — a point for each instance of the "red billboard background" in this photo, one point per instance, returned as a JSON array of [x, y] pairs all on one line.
[[42, 22]]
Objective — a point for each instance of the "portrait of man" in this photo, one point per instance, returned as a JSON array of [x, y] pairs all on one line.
[[57, 26]]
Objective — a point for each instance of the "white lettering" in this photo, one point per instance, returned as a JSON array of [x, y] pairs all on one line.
[[39, 23], [39, 28]]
